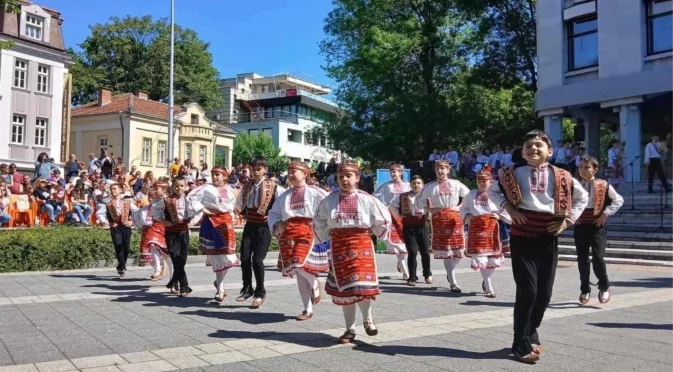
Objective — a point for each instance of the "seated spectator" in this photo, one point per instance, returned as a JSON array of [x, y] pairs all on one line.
[[6, 186], [136, 181], [5, 218], [49, 205], [79, 199], [101, 197], [142, 197], [56, 177], [126, 191]]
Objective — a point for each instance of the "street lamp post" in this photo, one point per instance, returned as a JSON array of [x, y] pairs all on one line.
[[170, 91]]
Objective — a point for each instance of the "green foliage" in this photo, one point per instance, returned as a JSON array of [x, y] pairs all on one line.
[[12, 7], [67, 248], [568, 128], [133, 53], [247, 146]]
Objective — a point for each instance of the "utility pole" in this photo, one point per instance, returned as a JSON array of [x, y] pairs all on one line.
[[171, 146]]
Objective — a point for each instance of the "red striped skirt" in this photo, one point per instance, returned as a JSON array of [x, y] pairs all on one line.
[[152, 236], [217, 235], [535, 226], [448, 239], [353, 276], [483, 237], [395, 241], [295, 244]]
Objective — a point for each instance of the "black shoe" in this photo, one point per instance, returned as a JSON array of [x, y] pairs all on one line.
[[185, 291], [244, 296]]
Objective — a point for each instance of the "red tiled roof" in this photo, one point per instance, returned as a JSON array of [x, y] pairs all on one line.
[[126, 102]]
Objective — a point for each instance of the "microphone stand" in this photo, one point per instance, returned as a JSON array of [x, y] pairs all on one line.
[[633, 202]]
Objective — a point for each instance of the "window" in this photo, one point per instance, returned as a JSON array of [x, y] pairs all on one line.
[[18, 126], [161, 152], [195, 119], [659, 26], [34, 26], [41, 132], [583, 43], [42, 79], [20, 73], [102, 144], [253, 132], [202, 154], [294, 135], [188, 151], [268, 132], [147, 151]]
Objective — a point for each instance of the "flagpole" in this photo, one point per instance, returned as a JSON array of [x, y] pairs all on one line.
[[170, 91]]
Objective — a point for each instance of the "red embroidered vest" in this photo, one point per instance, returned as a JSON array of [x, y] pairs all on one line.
[[268, 192], [562, 189], [126, 211], [601, 198]]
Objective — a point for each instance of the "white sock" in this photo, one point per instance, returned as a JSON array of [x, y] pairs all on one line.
[[450, 266], [402, 259], [349, 317], [311, 279], [219, 280], [366, 310], [169, 262], [305, 293], [156, 261], [486, 274]]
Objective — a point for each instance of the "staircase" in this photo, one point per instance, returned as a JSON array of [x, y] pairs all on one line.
[[253, 106], [640, 233]]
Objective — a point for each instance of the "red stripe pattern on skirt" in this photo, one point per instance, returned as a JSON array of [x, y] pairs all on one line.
[[353, 277], [535, 226], [396, 231], [152, 236], [295, 244], [447, 233], [483, 236], [222, 225]]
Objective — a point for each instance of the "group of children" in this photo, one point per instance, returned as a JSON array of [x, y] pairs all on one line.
[[537, 200]]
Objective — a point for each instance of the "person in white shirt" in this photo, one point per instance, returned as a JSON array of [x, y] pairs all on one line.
[[482, 157], [578, 161], [589, 232], [562, 156], [507, 158], [434, 156], [653, 163], [496, 159]]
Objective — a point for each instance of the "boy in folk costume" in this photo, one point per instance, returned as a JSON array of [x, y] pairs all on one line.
[[291, 221], [415, 231], [542, 201], [119, 213], [174, 213], [217, 238], [443, 199], [590, 232], [254, 202], [153, 235], [348, 217], [395, 241], [483, 241]]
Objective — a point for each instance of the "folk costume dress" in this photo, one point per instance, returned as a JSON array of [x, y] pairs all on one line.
[[119, 211], [542, 194], [395, 238], [603, 199], [614, 172], [296, 207], [448, 240], [153, 249], [415, 233]]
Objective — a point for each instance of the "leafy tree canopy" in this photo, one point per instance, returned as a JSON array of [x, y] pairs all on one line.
[[133, 53], [14, 7], [248, 146]]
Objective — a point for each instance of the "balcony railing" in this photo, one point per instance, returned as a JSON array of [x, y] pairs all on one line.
[[286, 93], [267, 115]]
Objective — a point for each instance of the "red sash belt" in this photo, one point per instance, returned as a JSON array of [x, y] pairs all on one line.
[[253, 217], [483, 236], [535, 226], [587, 217], [413, 220], [178, 228]]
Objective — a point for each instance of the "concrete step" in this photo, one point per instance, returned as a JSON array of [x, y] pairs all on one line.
[[648, 219], [645, 254], [622, 261], [629, 244], [637, 235]]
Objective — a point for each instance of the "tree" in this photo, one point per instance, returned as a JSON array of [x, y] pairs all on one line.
[[13, 7], [247, 146], [133, 53]]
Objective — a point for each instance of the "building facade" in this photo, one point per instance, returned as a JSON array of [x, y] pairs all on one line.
[[606, 63], [34, 87], [289, 109], [136, 128]]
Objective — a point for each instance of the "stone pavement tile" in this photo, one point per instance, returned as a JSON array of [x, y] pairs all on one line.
[[31, 355], [55, 366], [212, 348], [140, 356], [347, 365], [98, 361], [260, 352], [19, 368], [237, 367], [178, 352], [102, 369], [286, 364], [123, 348], [246, 343], [86, 352], [153, 366], [188, 362], [225, 357], [407, 365], [166, 342]]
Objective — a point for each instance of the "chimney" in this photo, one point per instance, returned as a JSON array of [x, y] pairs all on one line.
[[104, 96], [141, 94]]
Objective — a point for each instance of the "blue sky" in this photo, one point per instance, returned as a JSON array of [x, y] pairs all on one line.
[[263, 36]]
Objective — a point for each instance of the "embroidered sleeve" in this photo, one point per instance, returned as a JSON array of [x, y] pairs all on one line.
[[617, 201], [580, 199], [275, 215], [466, 208], [380, 218]]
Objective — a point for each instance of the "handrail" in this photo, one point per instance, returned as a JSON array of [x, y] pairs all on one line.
[[248, 117]]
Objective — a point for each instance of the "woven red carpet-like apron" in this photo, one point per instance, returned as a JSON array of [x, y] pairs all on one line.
[[295, 244], [152, 236], [396, 230], [447, 235], [483, 237], [353, 276], [218, 235]]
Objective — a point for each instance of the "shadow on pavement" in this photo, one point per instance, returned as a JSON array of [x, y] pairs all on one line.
[[243, 317], [393, 350], [99, 278], [571, 305], [663, 282], [667, 327]]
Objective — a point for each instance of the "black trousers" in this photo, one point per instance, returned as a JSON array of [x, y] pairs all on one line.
[[178, 247], [254, 247], [589, 237], [416, 240], [121, 239], [534, 262], [655, 168]]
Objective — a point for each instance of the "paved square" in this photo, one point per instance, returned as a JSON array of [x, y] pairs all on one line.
[[90, 320]]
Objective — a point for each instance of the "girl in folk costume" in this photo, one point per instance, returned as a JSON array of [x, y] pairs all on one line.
[[119, 211], [590, 232], [152, 239], [443, 198], [348, 217], [614, 171], [291, 221], [217, 238], [394, 241], [415, 231], [483, 241], [542, 201]]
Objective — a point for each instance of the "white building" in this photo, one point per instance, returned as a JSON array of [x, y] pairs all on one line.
[[34, 87], [606, 62], [285, 107]]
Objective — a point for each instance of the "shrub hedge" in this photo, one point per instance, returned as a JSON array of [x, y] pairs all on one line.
[[68, 248]]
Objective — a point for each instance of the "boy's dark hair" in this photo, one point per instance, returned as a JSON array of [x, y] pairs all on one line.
[[259, 161], [538, 134], [417, 177], [179, 178], [591, 160]]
